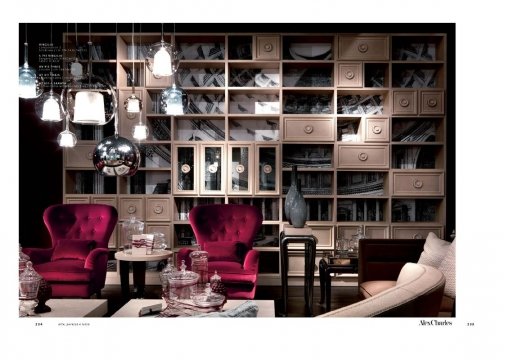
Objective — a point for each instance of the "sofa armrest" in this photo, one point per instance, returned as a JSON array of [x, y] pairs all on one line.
[[38, 255], [251, 261], [382, 259]]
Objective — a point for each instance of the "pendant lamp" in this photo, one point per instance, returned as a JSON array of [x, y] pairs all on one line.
[[47, 106], [162, 58], [89, 100], [116, 156], [133, 104], [139, 131], [174, 100], [67, 138], [76, 68], [31, 85]]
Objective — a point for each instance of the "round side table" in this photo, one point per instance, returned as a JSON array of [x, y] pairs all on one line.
[[139, 266]]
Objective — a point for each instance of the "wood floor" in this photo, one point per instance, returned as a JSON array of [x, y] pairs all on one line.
[[341, 296]]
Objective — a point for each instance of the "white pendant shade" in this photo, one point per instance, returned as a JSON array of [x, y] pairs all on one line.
[[140, 132], [89, 108], [174, 108], [27, 83], [174, 101], [133, 105], [66, 139], [162, 63], [51, 110], [76, 69]]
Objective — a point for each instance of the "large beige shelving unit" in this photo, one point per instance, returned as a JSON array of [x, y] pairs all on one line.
[[363, 115]]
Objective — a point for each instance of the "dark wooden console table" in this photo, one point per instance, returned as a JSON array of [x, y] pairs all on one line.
[[309, 242]]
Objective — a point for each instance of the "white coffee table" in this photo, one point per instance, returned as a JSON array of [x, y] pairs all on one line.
[[131, 309], [76, 308], [139, 266]]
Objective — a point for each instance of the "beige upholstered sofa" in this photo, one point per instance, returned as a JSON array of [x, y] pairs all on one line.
[[418, 292]]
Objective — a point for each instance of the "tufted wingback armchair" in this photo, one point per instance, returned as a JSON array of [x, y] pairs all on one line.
[[76, 263], [227, 232]]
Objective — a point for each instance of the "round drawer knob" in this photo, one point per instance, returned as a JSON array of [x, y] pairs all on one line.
[[432, 102], [404, 102], [185, 168], [131, 209], [377, 129], [90, 156], [239, 168], [417, 183], [363, 47], [363, 156], [267, 169], [349, 74], [267, 47], [308, 129], [417, 236], [158, 209]]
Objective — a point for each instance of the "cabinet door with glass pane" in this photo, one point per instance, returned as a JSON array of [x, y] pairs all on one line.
[[267, 163], [212, 169], [185, 169], [240, 169]]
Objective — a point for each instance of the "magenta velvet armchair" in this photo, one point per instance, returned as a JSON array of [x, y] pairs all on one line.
[[227, 232], [76, 263]]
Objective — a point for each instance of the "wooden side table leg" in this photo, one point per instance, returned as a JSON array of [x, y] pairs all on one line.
[[124, 279], [139, 278]]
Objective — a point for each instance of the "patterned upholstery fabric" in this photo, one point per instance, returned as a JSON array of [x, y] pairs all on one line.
[[75, 265]]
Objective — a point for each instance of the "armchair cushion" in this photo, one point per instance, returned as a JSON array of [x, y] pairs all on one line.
[[224, 251], [434, 251], [72, 249]]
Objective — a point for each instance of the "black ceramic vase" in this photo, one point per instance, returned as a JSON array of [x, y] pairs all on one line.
[[295, 204]]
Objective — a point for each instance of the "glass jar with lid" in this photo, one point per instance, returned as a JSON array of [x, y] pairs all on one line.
[[182, 284], [129, 228]]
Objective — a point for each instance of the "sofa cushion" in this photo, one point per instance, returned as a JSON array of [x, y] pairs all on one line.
[[72, 250], [371, 288], [434, 251], [448, 267]]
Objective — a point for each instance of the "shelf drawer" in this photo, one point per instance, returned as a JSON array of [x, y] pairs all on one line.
[[308, 129], [404, 102], [363, 157], [377, 130], [267, 48], [131, 206], [376, 231], [80, 156], [432, 103], [418, 184], [419, 232], [363, 48], [350, 75], [158, 209]]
